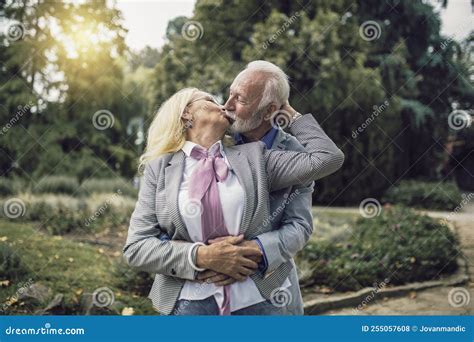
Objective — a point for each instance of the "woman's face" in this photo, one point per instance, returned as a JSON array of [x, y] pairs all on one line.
[[207, 113]]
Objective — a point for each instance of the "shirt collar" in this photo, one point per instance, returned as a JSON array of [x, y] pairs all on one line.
[[189, 145], [267, 139]]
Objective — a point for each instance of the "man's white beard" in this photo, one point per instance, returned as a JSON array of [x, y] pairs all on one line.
[[243, 126]]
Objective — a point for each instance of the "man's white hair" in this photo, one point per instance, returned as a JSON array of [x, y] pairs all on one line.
[[277, 86]]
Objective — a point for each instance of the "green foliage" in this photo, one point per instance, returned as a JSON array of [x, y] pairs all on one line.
[[60, 215], [57, 185], [338, 76], [6, 187], [74, 269], [113, 185], [425, 195], [131, 280], [11, 266], [398, 245]]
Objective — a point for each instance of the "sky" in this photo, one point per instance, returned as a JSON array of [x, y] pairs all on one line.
[[147, 20]]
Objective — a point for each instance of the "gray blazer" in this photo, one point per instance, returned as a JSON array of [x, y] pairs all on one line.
[[259, 170]]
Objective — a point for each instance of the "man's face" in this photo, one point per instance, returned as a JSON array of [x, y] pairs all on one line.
[[245, 94]]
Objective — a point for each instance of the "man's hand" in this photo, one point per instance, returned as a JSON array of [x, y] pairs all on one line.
[[226, 257], [244, 243], [287, 108]]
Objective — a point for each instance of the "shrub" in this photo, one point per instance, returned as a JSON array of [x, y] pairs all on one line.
[[109, 185], [399, 244], [6, 187], [57, 185], [11, 267], [62, 214], [429, 195]]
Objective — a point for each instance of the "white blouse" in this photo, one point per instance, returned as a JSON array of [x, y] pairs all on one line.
[[231, 193]]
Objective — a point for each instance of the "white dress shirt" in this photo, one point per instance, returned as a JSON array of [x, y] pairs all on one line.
[[231, 193]]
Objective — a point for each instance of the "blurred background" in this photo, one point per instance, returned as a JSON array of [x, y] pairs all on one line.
[[391, 82]]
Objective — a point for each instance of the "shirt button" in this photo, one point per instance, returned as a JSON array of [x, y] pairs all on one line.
[[173, 272]]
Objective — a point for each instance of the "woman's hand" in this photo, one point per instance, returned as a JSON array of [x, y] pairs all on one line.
[[226, 257]]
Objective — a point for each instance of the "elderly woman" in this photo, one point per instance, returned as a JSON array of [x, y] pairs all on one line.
[[196, 188]]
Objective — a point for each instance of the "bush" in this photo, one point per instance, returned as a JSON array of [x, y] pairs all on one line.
[[58, 185], [62, 214], [131, 280], [6, 187], [428, 195], [399, 244], [11, 267], [110, 185]]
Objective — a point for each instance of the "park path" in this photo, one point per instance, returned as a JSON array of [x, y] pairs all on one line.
[[432, 301]]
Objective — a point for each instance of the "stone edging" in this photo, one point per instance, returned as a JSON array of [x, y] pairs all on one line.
[[317, 306]]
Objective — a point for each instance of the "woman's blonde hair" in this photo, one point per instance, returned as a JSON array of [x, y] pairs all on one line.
[[167, 130]]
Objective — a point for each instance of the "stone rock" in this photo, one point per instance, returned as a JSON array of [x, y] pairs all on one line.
[[35, 293], [55, 307]]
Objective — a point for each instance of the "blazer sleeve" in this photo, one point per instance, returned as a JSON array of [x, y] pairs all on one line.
[[143, 249], [320, 158]]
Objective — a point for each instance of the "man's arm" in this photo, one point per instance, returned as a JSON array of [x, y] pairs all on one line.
[[296, 227]]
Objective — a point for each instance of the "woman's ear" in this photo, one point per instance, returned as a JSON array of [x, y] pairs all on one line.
[[186, 115]]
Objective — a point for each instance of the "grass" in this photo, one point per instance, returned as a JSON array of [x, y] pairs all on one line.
[[332, 226], [65, 266]]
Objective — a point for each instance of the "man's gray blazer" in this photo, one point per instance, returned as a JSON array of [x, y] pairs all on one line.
[[260, 171], [292, 225]]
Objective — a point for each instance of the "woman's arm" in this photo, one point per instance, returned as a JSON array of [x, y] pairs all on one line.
[[144, 250], [321, 157]]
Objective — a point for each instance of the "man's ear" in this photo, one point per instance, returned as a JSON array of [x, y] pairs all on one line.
[[271, 108]]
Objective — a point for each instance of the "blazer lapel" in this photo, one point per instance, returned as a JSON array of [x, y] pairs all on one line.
[[239, 165], [173, 175]]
